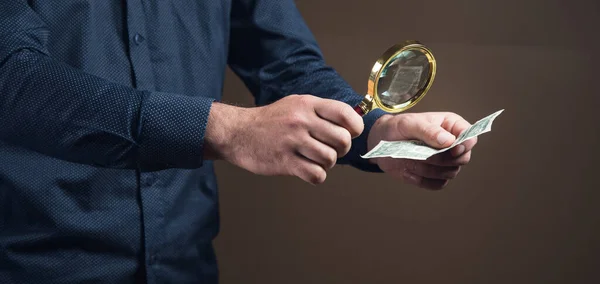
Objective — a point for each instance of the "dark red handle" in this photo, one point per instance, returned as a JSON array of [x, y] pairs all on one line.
[[359, 110]]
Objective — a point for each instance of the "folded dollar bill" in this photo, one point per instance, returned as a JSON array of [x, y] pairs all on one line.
[[418, 150]]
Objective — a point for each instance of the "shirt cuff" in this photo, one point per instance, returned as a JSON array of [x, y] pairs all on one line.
[[359, 144], [171, 130]]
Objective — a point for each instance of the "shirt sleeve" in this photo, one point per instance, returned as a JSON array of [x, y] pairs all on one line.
[[275, 54], [52, 108]]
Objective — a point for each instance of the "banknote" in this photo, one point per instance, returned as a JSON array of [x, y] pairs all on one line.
[[418, 150]]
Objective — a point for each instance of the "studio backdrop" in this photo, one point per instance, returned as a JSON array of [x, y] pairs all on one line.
[[525, 210]]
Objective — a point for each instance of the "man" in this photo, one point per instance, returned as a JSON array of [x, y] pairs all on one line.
[[110, 122]]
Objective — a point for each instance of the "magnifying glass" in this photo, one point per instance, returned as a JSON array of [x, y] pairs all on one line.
[[399, 79]]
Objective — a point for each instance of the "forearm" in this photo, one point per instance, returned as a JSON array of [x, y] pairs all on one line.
[[222, 127], [50, 107]]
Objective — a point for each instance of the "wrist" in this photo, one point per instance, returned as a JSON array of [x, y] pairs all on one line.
[[375, 135], [224, 123]]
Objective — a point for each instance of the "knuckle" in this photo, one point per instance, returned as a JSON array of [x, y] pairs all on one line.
[[329, 158], [297, 120], [344, 142], [465, 159], [431, 132], [305, 100], [317, 176], [288, 140], [454, 115]]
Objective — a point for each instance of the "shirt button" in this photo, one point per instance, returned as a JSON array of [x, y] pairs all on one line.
[[138, 38], [149, 179]]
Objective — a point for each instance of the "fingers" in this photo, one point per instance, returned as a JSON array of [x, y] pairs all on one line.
[[420, 173], [419, 181], [418, 127], [427, 183], [318, 153], [309, 171], [322, 131], [314, 158], [425, 169], [464, 147], [455, 124], [432, 171], [333, 136], [447, 159], [438, 130], [340, 114]]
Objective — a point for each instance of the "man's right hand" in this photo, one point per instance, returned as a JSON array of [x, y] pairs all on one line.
[[299, 135]]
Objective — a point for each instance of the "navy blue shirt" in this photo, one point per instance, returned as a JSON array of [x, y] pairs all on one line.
[[103, 109]]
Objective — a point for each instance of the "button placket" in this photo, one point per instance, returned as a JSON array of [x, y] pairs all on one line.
[[139, 53]]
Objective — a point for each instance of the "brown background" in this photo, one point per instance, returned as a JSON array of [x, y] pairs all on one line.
[[527, 208]]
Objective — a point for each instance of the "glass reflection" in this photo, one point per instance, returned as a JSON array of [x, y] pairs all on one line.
[[403, 78]]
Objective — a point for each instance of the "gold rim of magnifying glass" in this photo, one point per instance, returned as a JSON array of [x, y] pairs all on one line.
[[383, 61]]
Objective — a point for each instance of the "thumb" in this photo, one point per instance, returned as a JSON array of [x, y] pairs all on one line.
[[432, 134]]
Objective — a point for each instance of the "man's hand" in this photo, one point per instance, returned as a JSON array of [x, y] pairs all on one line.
[[436, 129], [299, 135]]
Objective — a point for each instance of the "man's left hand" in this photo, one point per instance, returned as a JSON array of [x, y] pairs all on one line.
[[436, 129]]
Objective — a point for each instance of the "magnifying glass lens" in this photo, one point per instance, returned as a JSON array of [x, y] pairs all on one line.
[[399, 79], [404, 77]]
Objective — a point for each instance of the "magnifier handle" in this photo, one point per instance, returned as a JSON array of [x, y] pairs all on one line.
[[364, 106], [359, 110]]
